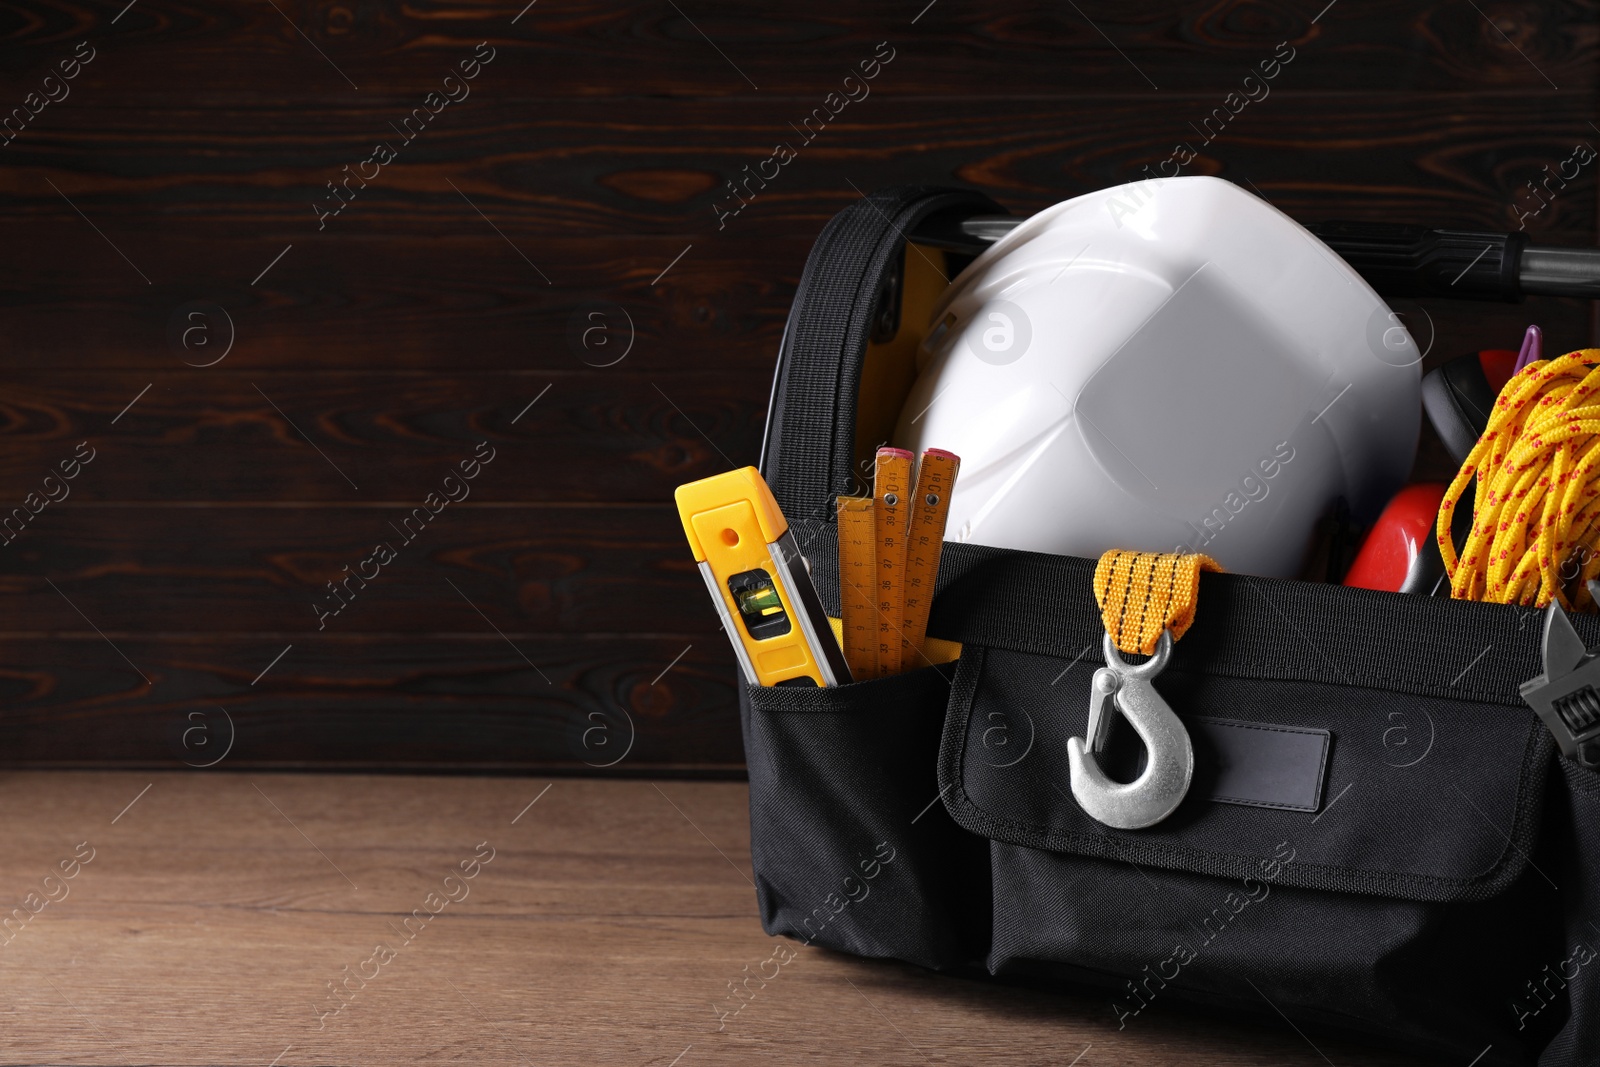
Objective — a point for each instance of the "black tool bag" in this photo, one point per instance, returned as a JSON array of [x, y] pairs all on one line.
[[1441, 894]]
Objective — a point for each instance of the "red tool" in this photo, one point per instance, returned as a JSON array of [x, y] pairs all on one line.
[[1400, 545]]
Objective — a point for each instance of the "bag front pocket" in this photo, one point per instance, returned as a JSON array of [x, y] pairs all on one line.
[[851, 847], [1406, 903]]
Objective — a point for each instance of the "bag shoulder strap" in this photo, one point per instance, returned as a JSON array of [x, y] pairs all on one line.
[[811, 417]]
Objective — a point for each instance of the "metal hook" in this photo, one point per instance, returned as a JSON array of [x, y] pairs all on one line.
[[1157, 792]]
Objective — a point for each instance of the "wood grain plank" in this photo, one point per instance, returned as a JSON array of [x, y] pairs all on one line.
[[251, 569], [462, 302], [160, 47], [465, 305], [605, 928], [475, 699], [610, 434], [1423, 157]]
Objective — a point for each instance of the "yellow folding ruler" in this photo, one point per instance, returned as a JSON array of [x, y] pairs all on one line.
[[890, 483], [930, 506], [889, 548], [858, 580]]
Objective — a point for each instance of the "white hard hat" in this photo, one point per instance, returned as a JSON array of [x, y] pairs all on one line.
[[1170, 364]]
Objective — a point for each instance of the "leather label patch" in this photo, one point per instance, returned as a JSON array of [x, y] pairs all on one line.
[[1258, 764]]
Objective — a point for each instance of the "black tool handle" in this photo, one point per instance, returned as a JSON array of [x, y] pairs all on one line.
[[1401, 260], [1395, 260]]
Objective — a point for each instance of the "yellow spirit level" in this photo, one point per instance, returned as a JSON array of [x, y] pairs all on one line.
[[759, 582]]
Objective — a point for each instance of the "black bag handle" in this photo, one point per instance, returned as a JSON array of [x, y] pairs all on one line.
[[811, 417]]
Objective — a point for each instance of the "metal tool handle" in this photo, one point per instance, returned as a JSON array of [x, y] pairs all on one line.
[[1395, 260], [1417, 261]]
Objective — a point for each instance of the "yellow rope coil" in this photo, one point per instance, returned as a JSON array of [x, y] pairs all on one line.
[[1538, 498]]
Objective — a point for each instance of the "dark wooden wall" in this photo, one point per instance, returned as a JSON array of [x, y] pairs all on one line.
[[376, 353]]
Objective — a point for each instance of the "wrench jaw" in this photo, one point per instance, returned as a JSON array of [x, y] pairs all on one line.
[[1567, 694]]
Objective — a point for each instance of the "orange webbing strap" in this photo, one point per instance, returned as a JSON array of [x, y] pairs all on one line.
[[1142, 594]]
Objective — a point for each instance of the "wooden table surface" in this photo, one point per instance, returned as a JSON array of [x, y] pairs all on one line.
[[207, 914]]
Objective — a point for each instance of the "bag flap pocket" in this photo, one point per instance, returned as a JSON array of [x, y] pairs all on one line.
[[1300, 782]]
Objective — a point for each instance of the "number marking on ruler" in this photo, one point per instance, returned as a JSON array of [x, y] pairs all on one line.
[[891, 483], [858, 572], [930, 507]]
